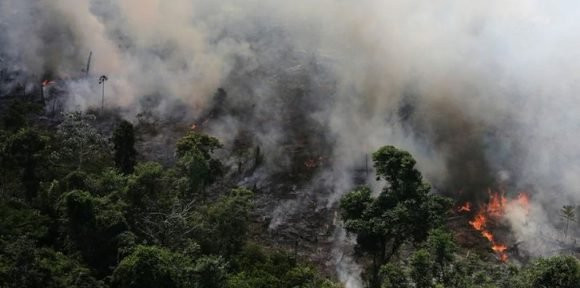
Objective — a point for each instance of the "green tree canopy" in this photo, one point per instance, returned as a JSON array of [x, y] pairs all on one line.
[[152, 267], [555, 272], [394, 276], [442, 249], [81, 145], [94, 226], [24, 264], [421, 273], [403, 211], [25, 152], [194, 152], [224, 224]]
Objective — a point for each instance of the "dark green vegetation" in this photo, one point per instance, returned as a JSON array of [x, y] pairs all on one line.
[[401, 233], [78, 210]]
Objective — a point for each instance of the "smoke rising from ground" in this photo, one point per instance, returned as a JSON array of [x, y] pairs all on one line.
[[482, 93]]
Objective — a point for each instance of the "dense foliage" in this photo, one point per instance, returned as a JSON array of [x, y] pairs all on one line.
[[78, 210], [403, 211], [406, 215]]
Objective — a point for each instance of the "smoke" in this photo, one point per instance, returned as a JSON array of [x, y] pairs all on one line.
[[482, 93]]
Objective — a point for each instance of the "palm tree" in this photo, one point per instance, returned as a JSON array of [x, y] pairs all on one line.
[[102, 81], [567, 214]]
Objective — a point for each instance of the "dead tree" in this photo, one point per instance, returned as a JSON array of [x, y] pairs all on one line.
[[102, 81]]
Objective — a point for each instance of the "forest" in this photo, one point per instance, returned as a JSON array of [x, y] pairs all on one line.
[[289, 144], [81, 208]]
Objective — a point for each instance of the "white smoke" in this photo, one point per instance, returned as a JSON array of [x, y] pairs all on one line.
[[491, 85]]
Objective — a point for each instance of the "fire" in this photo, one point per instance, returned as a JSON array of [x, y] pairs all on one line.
[[523, 201], [46, 83], [499, 248], [478, 222], [494, 210], [199, 126], [496, 204], [465, 207], [503, 257], [487, 235]]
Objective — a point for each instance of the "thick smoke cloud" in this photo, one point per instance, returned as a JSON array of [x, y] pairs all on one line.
[[483, 93]]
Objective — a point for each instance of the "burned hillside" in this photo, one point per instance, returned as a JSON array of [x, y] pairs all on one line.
[[380, 143]]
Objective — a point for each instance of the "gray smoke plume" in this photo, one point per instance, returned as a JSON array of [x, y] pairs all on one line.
[[482, 93]]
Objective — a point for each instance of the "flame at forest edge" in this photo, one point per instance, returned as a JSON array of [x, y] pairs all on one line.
[[493, 211]]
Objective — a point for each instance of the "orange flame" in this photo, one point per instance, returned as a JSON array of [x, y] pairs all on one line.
[[487, 235], [499, 248], [199, 126], [523, 200], [495, 208], [478, 222], [46, 83], [496, 204], [465, 207]]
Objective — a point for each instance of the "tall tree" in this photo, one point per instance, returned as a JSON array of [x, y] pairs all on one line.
[[442, 249], [93, 226], [569, 215], [102, 81], [225, 223], [403, 211], [24, 150], [124, 145], [421, 265], [81, 145], [195, 160]]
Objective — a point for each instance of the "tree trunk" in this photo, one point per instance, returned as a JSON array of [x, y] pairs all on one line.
[[103, 99]]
